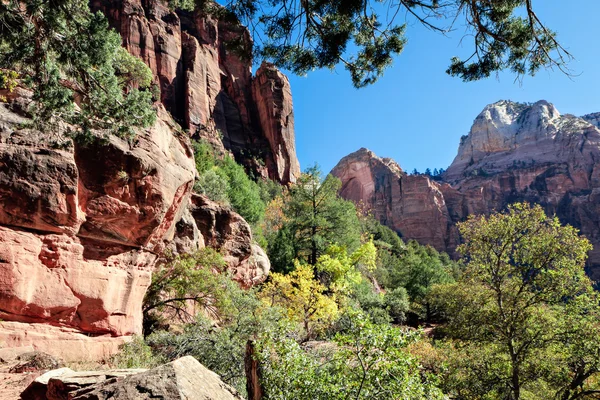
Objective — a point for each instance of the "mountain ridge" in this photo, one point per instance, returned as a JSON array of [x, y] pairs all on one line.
[[514, 152]]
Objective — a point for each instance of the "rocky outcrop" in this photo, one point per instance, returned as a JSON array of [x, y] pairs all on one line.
[[414, 206], [272, 94], [80, 228], [184, 378], [203, 70], [83, 224], [229, 233], [514, 152]]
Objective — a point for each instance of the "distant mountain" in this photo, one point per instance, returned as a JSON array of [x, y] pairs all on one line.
[[514, 152]]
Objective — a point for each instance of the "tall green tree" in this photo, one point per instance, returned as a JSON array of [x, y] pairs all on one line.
[[316, 217], [75, 65], [365, 35], [511, 312]]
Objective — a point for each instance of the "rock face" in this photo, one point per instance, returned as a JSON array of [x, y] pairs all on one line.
[[514, 152], [83, 225], [80, 227], [207, 84], [414, 206], [228, 232]]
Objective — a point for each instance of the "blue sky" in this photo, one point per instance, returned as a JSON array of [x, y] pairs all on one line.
[[416, 113]]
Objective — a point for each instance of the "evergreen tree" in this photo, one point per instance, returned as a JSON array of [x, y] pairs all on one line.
[[319, 216], [311, 217], [365, 35], [75, 65]]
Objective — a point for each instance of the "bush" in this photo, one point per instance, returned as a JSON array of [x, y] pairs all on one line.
[[367, 361], [136, 354], [214, 186], [203, 155], [243, 193], [185, 279]]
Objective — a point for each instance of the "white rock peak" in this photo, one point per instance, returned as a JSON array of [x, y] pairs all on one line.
[[508, 133]]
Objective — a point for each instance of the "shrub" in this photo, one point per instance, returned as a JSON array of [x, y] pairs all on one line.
[[243, 193], [136, 354], [214, 186]]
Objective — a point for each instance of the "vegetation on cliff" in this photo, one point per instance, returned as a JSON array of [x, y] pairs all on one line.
[[75, 66]]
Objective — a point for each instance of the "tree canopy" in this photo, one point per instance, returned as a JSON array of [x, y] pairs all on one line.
[[523, 314], [75, 65], [365, 35]]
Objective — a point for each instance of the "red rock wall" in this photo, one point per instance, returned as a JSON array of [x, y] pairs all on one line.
[[514, 153], [208, 86], [81, 227]]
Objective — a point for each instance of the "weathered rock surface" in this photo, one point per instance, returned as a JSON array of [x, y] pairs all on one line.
[[414, 206], [80, 227], [181, 379], [83, 225], [35, 361], [208, 86], [228, 232], [272, 94], [514, 152]]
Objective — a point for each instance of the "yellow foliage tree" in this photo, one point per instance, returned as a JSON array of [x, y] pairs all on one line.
[[303, 298], [341, 270]]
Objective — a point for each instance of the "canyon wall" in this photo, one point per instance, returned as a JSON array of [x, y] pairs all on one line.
[[514, 152], [83, 225], [203, 70]]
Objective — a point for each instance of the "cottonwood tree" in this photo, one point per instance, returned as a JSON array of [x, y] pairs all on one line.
[[365, 35], [522, 311]]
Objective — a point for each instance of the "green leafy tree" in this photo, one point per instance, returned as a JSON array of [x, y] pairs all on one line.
[[510, 312], [220, 348], [244, 194], [204, 156], [364, 36], [366, 361], [181, 284], [213, 185], [75, 65]]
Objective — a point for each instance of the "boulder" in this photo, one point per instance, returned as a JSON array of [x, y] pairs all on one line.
[[38, 389], [33, 362], [226, 231], [181, 379]]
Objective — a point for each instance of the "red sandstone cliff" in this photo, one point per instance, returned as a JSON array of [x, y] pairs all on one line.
[[208, 86], [82, 227], [514, 152]]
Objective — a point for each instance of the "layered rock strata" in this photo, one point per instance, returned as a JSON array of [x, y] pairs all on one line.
[[203, 70], [82, 226], [514, 152]]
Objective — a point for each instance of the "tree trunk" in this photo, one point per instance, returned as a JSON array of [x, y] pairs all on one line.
[[252, 368]]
